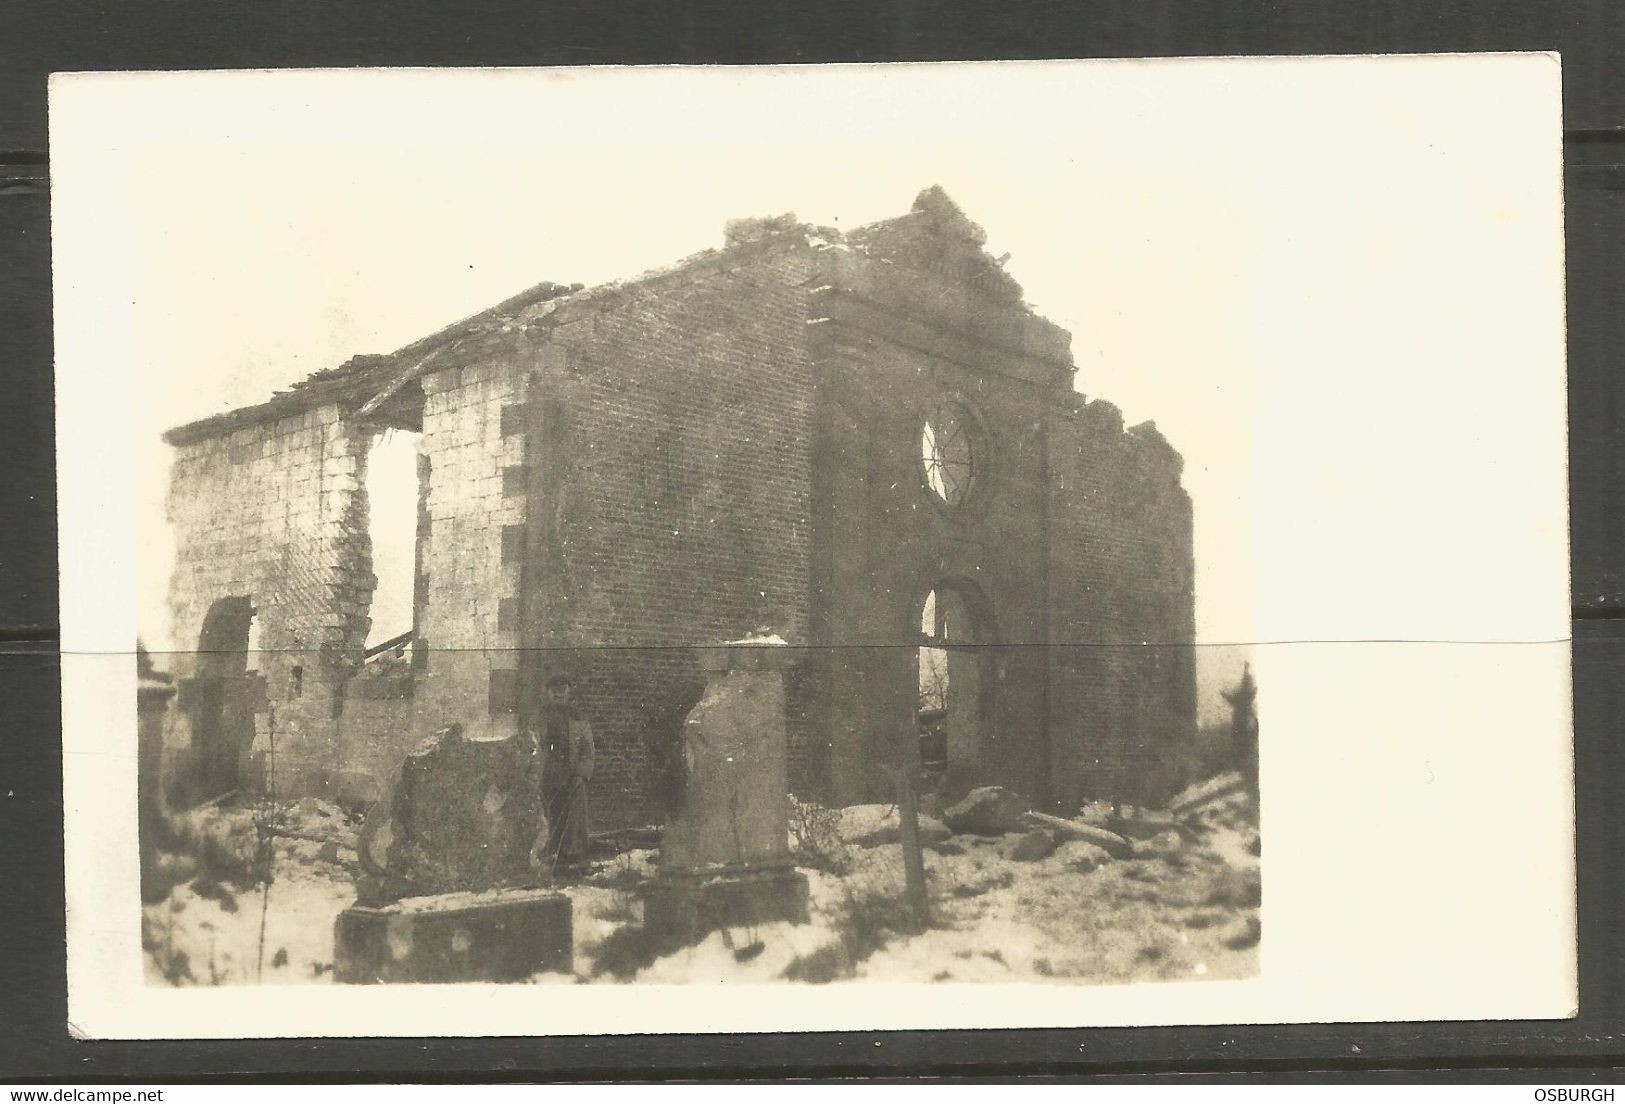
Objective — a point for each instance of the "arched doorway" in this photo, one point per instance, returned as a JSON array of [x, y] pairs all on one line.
[[955, 681], [225, 697]]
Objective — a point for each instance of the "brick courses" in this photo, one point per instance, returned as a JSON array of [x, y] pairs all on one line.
[[275, 512]]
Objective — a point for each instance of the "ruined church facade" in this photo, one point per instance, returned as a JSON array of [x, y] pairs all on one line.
[[863, 442]]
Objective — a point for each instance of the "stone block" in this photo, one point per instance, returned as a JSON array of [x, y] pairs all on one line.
[[513, 543], [1158, 846], [500, 936], [513, 480], [1030, 846]]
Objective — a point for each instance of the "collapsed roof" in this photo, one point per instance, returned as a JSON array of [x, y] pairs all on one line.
[[933, 236]]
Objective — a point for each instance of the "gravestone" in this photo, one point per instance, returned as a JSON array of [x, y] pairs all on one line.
[[725, 855], [449, 891], [463, 815]]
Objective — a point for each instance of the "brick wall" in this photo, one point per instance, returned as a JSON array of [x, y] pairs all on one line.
[[618, 478], [671, 431], [899, 335], [1123, 683], [890, 541]]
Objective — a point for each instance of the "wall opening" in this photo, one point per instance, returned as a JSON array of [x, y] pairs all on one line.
[[955, 686], [392, 525], [255, 650], [951, 452], [226, 692]]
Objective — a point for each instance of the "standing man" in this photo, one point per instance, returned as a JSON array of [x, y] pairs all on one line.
[[566, 751]]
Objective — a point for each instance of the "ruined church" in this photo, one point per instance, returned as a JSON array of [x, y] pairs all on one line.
[[863, 442]]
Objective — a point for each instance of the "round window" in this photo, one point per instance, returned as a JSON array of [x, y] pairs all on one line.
[[951, 449]]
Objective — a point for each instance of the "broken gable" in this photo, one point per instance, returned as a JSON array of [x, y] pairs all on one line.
[[936, 237]]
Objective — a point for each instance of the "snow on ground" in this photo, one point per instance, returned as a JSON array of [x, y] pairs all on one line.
[[1159, 917], [1184, 906], [208, 930]]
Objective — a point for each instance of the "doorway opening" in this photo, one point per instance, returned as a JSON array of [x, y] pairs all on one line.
[[227, 694]]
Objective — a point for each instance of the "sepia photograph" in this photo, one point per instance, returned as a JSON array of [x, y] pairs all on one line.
[[722, 595], [815, 530]]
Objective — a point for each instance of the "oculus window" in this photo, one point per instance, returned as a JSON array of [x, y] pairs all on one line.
[[952, 450]]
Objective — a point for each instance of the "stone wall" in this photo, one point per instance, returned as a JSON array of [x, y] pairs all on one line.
[[275, 512], [372, 735], [472, 541]]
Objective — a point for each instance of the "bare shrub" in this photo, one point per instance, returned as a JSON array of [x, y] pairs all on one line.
[[815, 837], [233, 847]]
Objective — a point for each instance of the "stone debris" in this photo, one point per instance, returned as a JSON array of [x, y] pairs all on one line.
[[986, 811], [1110, 842], [1081, 856], [1245, 934], [1074, 916], [1030, 846], [1163, 843], [1204, 793]]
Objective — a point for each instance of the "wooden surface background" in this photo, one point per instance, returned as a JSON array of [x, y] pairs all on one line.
[[37, 38]]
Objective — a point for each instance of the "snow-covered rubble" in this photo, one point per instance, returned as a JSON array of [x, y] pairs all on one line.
[[1062, 900], [213, 930], [874, 825]]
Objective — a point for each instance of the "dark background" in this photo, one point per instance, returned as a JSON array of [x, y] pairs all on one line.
[[38, 38]]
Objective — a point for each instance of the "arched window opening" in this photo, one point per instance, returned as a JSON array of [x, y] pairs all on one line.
[[954, 693]]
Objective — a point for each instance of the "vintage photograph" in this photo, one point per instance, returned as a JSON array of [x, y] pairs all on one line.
[[799, 527], [785, 612]]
